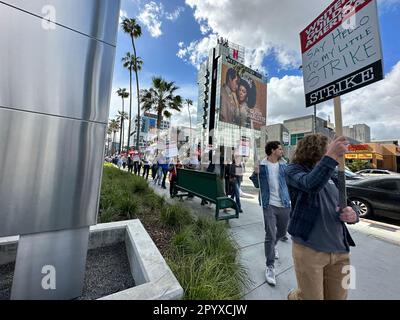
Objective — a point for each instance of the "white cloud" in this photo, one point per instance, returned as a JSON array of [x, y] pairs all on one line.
[[151, 18], [122, 15], [153, 14], [265, 27], [204, 29], [377, 105], [174, 15], [197, 51]]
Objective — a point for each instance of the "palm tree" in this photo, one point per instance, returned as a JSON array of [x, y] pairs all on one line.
[[114, 127], [189, 104], [161, 98], [129, 26], [123, 94], [131, 63], [122, 116], [109, 132]]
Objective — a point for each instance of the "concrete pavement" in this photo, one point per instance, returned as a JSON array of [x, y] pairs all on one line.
[[376, 258]]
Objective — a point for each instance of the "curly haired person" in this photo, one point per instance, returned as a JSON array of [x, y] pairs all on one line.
[[321, 240]]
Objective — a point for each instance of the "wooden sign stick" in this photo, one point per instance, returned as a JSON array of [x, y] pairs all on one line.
[[341, 174]]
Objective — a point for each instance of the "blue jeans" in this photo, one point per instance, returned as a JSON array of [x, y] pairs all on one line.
[[236, 193]]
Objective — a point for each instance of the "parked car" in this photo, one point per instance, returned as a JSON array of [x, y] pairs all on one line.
[[376, 196], [375, 172], [349, 174]]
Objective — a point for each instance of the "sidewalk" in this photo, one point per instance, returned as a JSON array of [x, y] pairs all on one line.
[[376, 258]]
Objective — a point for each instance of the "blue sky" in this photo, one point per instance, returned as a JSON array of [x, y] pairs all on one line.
[[269, 30]]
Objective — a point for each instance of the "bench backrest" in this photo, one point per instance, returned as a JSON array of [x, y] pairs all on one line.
[[206, 184]]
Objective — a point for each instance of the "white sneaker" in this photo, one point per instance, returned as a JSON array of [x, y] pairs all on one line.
[[270, 276], [276, 253]]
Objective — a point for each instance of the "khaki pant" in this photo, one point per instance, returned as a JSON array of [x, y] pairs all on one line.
[[319, 274]]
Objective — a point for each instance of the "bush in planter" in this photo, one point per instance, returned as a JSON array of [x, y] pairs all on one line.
[[175, 216], [128, 206], [108, 215], [140, 185], [153, 201], [203, 258]]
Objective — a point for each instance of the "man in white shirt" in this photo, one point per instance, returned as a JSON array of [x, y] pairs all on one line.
[[275, 202]]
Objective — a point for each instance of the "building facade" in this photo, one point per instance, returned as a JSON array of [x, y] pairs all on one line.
[[360, 132], [217, 125], [148, 129], [376, 155]]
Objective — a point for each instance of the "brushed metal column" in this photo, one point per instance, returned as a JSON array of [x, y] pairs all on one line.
[[55, 88]]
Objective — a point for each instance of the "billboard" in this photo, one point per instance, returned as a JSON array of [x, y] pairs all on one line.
[[243, 99], [341, 50]]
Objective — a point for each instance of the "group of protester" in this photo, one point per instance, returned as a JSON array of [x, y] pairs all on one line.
[[134, 163], [301, 198]]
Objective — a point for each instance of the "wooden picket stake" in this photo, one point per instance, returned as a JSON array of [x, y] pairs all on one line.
[[341, 173]]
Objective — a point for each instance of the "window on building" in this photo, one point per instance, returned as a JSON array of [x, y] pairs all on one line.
[[294, 138]]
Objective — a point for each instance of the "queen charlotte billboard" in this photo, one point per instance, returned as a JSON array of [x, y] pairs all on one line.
[[243, 97]]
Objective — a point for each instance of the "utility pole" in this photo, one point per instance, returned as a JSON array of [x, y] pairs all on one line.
[[315, 119]]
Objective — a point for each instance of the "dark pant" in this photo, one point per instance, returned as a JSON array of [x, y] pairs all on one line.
[[139, 168], [236, 193], [172, 183], [164, 178], [146, 170], [135, 166], [153, 171], [275, 222], [130, 168]]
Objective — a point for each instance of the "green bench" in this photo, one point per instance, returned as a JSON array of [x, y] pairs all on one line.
[[207, 186]]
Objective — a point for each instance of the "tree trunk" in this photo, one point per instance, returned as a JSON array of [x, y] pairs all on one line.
[[121, 128], [113, 142], [159, 118], [138, 98], [123, 123], [130, 111]]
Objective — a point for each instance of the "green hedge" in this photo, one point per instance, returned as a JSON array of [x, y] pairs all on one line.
[[201, 254]]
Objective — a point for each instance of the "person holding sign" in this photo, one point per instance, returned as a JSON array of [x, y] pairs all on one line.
[[321, 241]]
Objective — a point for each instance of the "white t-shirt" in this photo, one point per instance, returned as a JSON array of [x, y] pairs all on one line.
[[273, 182]]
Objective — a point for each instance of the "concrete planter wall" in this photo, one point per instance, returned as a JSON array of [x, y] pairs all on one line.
[[153, 278]]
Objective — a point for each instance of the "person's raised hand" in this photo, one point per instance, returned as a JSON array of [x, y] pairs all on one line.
[[337, 148], [348, 215]]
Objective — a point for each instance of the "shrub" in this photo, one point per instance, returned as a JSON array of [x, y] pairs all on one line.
[[140, 185], [153, 201], [107, 215], [358, 165], [203, 258], [209, 278], [128, 206], [175, 216], [201, 254], [206, 235]]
